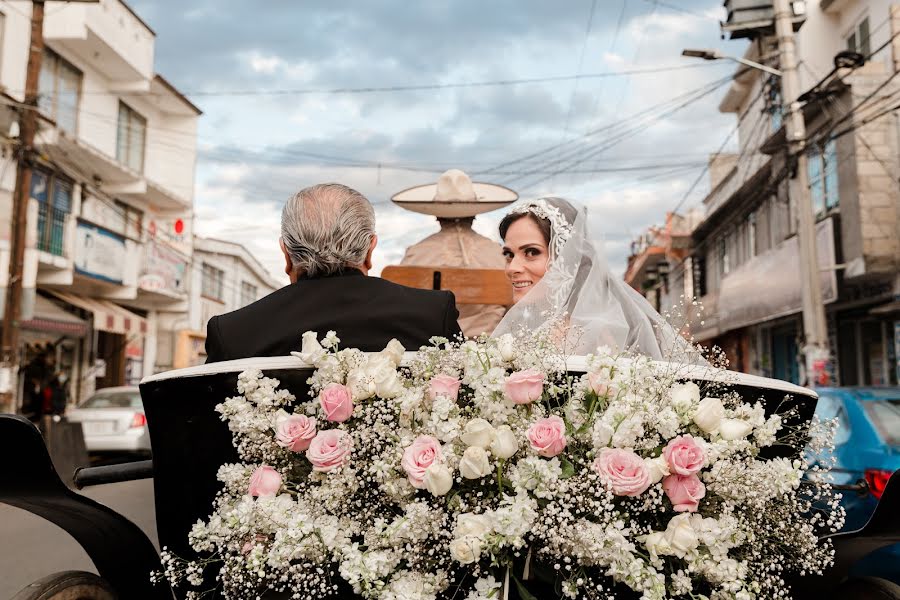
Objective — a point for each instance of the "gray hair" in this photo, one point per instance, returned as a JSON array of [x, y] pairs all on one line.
[[327, 227]]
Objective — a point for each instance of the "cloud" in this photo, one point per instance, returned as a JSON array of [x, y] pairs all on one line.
[[258, 149]]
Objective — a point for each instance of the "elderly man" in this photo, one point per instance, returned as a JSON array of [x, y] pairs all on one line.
[[327, 238]]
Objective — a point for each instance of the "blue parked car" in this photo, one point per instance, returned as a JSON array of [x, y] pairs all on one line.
[[867, 447]]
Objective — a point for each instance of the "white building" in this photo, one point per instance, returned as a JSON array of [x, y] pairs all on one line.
[[225, 277], [110, 217]]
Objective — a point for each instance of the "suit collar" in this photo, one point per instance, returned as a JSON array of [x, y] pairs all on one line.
[[348, 272]]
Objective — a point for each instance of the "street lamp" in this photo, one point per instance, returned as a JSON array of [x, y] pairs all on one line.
[[710, 54]]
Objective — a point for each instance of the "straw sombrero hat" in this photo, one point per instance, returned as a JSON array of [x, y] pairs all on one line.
[[455, 196]]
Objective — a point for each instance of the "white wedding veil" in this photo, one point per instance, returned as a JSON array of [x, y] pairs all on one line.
[[579, 295]]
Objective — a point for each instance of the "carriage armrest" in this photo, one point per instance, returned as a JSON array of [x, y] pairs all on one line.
[[88, 476]]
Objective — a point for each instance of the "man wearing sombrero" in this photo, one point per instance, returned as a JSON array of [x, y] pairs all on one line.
[[455, 200]]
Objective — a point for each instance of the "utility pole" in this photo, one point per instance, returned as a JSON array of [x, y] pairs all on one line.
[[9, 353], [815, 331]]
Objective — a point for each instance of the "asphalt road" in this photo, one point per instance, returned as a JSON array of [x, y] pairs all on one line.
[[31, 548]]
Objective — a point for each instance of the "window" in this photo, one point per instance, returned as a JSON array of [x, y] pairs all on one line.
[[775, 104], [130, 138], [858, 40], [699, 274], [54, 199], [724, 266], [751, 235], [60, 90], [823, 178], [248, 293], [213, 279]]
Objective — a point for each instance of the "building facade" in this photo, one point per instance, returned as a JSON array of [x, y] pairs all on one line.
[[225, 277], [744, 260], [109, 243]]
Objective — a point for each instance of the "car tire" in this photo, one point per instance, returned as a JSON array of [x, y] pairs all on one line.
[[868, 588], [68, 585]]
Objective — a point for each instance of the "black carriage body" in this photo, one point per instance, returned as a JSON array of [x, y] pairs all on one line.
[[190, 442]]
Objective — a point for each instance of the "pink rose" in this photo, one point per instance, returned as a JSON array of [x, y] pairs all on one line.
[[443, 385], [295, 432], [625, 471], [265, 481], [524, 387], [600, 386], [685, 491], [337, 402], [548, 436], [684, 455], [420, 455], [328, 450]]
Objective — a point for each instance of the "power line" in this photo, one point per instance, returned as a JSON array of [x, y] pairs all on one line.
[[603, 129], [628, 133], [400, 88], [587, 37], [722, 147]]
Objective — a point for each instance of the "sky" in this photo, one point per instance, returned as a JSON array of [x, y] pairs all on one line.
[[287, 93]]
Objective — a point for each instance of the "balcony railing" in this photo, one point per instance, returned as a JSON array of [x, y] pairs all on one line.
[[51, 229]]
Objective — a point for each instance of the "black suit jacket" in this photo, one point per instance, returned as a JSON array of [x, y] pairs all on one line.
[[366, 312]]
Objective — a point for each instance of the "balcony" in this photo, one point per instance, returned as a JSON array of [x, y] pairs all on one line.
[[108, 36]]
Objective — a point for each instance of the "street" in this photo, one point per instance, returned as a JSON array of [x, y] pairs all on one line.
[[34, 548]]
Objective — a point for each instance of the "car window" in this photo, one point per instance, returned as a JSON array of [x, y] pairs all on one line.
[[831, 407], [114, 400], [885, 416]]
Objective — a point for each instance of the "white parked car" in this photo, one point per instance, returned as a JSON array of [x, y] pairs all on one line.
[[113, 420]]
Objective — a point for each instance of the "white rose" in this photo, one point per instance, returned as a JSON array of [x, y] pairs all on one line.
[[601, 434], [361, 385], [658, 468], [680, 535], [734, 429], [507, 346], [710, 413], [310, 350], [505, 443], [378, 362], [656, 544], [684, 395], [478, 432], [394, 350], [387, 383], [474, 463], [438, 479], [470, 524], [466, 550]]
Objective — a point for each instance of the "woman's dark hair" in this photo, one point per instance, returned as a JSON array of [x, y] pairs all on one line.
[[543, 224], [568, 211]]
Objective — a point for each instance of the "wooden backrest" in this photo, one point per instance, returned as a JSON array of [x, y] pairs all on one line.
[[470, 286]]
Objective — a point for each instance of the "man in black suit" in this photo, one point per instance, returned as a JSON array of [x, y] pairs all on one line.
[[327, 238]]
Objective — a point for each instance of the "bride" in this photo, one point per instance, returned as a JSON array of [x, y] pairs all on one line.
[[561, 283]]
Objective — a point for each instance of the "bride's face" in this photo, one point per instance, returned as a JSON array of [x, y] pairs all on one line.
[[526, 253]]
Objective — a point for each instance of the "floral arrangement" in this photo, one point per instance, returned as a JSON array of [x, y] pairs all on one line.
[[481, 467]]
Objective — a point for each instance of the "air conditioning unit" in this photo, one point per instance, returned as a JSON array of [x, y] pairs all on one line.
[[755, 18]]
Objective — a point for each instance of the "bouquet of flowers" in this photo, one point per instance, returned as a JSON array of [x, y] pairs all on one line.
[[474, 468]]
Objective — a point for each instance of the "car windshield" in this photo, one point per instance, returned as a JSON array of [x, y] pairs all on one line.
[[885, 416], [114, 400]]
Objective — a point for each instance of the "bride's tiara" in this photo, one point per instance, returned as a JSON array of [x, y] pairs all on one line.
[[560, 228]]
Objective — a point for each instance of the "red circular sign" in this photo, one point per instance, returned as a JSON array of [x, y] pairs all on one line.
[[179, 226]]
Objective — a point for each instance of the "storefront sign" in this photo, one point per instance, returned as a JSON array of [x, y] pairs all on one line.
[[99, 253], [163, 269]]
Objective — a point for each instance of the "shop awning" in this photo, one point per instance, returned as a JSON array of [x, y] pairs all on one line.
[[50, 318], [108, 316]]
